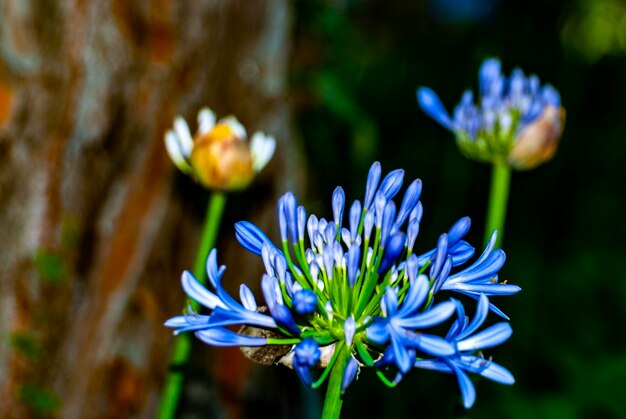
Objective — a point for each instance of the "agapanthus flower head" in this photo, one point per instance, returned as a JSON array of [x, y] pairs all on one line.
[[349, 292], [218, 155], [514, 120]]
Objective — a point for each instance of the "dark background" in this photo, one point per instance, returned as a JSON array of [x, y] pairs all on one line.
[[97, 225], [360, 63]]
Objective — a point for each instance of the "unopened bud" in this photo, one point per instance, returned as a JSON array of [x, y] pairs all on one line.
[[538, 141], [222, 161]]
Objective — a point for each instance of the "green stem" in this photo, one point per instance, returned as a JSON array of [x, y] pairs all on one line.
[[498, 198], [333, 401], [182, 344]]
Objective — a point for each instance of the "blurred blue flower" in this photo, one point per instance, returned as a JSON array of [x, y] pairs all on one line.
[[352, 296], [515, 119]]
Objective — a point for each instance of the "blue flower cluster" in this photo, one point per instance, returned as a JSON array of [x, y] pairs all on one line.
[[515, 120], [356, 295]]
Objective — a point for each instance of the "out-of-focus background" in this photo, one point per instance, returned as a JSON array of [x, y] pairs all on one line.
[[97, 224]]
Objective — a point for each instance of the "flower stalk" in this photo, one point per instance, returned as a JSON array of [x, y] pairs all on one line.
[[498, 200], [182, 343], [333, 400]]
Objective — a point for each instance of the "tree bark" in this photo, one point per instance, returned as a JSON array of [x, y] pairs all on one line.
[[96, 224]]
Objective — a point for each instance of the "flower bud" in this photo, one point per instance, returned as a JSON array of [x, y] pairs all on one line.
[[218, 156], [222, 161], [537, 142]]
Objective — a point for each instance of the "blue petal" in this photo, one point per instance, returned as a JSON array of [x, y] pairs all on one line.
[[268, 287], [389, 215], [352, 263], [410, 200], [392, 183], [247, 298], [386, 359], [178, 321], [198, 292], [368, 224], [379, 208], [535, 109], [378, 332], [435, 345], [389, 302], [461, 252], [412, 268], [411, 233], [329, 261], [352, 367], [290, 209], [338, 200], [492, 307], [433, 364], [432, 106], [498, 373], [304, 301], [304, 372], [551, 96], [393, 249], [489, 72], [440, 256], [307, 353], [301, 222], [224, 337], [487, 269], [312, 226], [187, 323], [403, 360], [481, 314], [251, 237], [492, 336], [373, 177], [213, 270], [487, 289], [416, 294], [282, 219], [459, 324], [434, 316], [468, 392], [355, 217], [443, 275], [458, 230], [222, 317], [349, 328], [283, 317], [215, 276]]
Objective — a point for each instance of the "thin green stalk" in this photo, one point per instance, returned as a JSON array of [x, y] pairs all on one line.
[[333, 401], [498, 198], [182, 343]]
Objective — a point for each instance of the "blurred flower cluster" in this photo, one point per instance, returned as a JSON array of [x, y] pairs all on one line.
[[349, 292], [515, 121], [218, 156]]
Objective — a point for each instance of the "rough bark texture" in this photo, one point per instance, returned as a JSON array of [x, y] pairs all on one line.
[[96, 225]]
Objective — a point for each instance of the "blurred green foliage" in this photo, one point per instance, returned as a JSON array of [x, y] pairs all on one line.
[[359, 63], [42, 401], [26, 344], [597, 28], [50, 266]]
